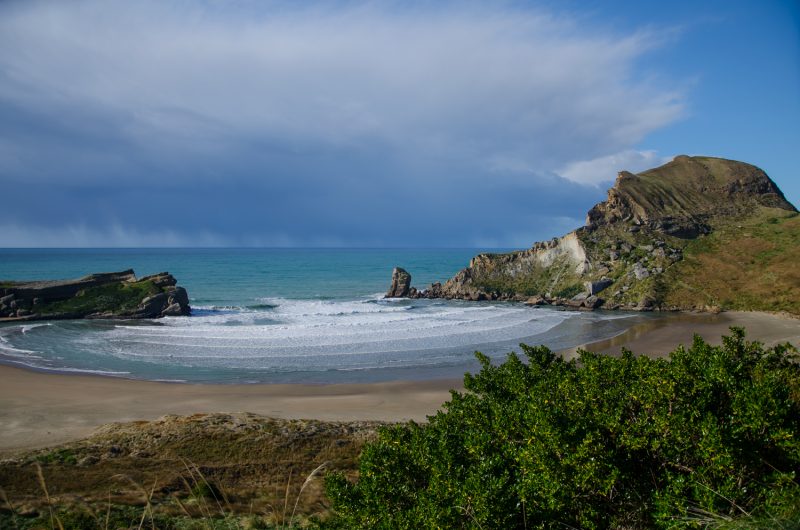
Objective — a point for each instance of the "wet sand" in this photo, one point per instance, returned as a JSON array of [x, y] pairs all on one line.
[[660, 336], [42, 409]]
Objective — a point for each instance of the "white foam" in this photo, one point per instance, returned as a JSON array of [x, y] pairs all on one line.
[[312, 331], [10, 351], [291, 336], [27, 327], [65, 369]]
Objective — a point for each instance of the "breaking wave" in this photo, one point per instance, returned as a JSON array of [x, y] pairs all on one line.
[[282, 339]]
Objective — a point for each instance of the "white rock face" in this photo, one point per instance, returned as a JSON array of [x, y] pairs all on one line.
[[568, 246]]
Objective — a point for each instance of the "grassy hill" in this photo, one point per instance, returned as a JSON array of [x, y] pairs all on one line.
[[748, 264], [697, 233]]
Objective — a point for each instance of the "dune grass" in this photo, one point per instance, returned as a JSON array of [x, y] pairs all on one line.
[[201, 471]]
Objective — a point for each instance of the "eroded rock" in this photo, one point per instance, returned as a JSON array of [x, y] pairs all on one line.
[[401, 283]]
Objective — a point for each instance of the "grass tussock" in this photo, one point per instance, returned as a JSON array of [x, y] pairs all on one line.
[[223, 470]]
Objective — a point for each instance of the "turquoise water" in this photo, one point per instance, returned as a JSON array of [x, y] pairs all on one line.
[[236, 276], [285, 315]]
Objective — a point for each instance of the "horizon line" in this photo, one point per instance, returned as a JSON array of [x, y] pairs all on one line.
[[266, 248]]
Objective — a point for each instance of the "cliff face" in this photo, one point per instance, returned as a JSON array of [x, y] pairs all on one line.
[[103, 295], [684, 197], [637, 247]]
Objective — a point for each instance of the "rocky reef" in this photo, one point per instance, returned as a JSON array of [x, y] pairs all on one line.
[[116, 295], [653, 244]]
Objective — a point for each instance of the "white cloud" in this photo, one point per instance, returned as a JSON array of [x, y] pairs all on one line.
[[603, 170], [179, 83], [174, 123]]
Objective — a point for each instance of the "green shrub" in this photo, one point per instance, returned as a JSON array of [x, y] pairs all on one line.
[[594, 443], [58, 456]]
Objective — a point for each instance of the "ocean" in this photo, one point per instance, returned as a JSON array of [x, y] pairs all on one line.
[[286, 316]]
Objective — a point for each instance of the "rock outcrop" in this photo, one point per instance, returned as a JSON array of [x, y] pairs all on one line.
[[630, 252], [401, 284], [685, 196], [117, 295]]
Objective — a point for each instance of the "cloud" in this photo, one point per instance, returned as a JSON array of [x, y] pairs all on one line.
[[368, 106], [80, 236], [604, 169]]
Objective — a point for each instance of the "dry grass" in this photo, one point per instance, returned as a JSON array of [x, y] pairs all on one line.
[[202, 466], [748, 265]]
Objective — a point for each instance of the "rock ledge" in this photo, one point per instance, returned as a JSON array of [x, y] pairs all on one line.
[[116, 295]]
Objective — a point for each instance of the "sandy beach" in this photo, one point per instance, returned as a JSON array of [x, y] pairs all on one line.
[[42, 409], [660, 336]]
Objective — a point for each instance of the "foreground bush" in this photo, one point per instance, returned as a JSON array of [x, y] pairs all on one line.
[[708, 435]]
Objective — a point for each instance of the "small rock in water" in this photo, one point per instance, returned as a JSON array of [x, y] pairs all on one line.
[[401, 283]]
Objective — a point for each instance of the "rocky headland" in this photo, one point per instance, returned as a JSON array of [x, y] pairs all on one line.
[[115, 295], [698, 233]]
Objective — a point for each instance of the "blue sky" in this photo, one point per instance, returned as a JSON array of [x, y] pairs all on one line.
[[411, 124]]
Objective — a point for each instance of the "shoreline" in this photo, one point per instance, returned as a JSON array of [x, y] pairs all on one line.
[[40, 409], [43, 409], [660, 336]]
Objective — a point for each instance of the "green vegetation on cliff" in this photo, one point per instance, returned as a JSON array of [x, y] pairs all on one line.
[[117, 297], [709, 435], [101, 295], [558, 279]]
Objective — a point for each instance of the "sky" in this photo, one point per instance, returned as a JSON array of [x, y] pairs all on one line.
[[372, 124]]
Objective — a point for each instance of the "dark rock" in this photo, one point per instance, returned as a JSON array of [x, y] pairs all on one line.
[[162, 279], [593, 302], [401, 283], [536, 300], [179, 296], [50, 300], [172, 310], [63, 289], [154, 305], [596, 287]]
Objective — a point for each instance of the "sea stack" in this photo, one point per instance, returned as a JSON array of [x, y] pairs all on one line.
[[401, 283]]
